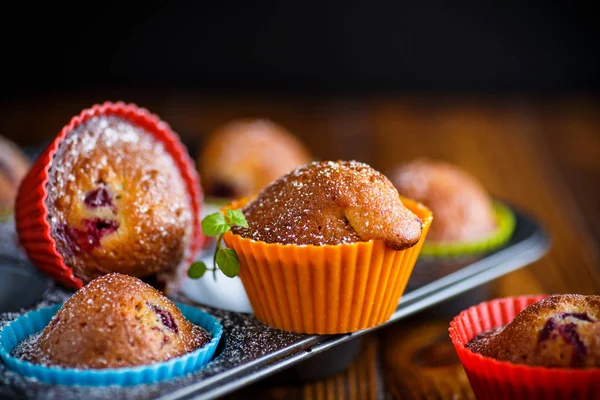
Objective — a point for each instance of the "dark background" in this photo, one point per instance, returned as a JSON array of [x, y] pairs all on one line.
[[330, 46]]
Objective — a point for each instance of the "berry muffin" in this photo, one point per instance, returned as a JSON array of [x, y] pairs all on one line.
[[328, 249], [329, 203], [560, 331], [13, 167], [462, 208], [242, 157], [116, 321], [116, 201], [531, 347], [118, 193]]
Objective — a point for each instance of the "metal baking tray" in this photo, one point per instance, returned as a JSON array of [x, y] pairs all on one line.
[[250, 350]]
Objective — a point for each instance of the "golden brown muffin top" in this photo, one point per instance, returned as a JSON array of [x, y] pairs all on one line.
[[461, 206], [13, 167], [328, 203], [117, 321], [243, 156], [560, 331], [117, 201]]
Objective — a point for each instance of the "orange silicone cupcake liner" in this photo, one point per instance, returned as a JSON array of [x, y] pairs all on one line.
[[493, 379], [325, 289], [31, 214]]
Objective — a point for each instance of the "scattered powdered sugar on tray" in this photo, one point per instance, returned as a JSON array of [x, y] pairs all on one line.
[[28, 349]]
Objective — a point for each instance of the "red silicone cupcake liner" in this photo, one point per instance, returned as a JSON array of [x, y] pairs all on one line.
[[31, 214], [493, 379]]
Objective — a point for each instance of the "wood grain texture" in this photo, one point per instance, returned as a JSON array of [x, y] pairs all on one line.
[[542, 155]]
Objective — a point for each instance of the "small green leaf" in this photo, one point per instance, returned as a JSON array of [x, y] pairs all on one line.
[[228, 262], [236, 218], [197, 270], [215, 224]]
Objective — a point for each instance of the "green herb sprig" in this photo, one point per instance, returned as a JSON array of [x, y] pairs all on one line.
[[224, 259]]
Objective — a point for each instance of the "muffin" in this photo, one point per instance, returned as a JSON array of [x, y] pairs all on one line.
[[531, 347], [561, 331], [114, 192], [116, 321], [242, 157], [328, 248], [330, 203], [116, 201], [462, 208], [13, 167]]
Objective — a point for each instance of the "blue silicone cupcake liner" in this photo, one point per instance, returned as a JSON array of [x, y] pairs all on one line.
[[35, 321]]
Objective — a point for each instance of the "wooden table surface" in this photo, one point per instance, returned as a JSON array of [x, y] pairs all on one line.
[[540, 154]]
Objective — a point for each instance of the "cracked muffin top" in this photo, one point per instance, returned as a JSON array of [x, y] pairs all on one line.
[[560, 331], [329, 203], [116, 321]]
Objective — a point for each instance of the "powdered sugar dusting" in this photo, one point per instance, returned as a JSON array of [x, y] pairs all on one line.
[[110, 172], [328, 203], [559, 331], [28, 349], [244, 340]]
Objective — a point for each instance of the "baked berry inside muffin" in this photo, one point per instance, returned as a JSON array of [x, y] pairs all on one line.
[[117, 202], [462, 208], [560, 331], [242, 157], [328, 203], [116, 321]]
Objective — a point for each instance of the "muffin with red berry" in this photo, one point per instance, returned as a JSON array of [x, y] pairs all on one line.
[[116, 321], [531, 347], [119, 194], [560, 331]]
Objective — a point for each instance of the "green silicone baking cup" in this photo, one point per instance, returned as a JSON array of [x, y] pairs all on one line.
[[505, 220]]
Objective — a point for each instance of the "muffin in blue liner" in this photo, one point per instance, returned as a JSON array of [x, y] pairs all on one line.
[[35, 321]]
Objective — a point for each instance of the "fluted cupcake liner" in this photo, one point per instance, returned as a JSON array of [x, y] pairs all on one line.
[[325, 289], [506, 222], [35, 321], [493, 379], [31, 214]]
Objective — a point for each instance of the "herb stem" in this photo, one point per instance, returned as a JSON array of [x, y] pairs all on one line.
[[214, 269]]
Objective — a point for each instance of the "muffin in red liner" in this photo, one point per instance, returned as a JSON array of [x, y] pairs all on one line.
[[494, 379], [39, 197]]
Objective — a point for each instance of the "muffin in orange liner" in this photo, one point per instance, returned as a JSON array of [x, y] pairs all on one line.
[[31, 210], [495, 379], [325, 289]]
